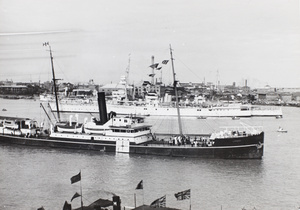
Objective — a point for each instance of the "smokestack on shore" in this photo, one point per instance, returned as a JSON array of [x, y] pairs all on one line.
[[102, 107]]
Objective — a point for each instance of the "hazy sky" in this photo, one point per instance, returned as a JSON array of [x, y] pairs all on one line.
[[225, 40]]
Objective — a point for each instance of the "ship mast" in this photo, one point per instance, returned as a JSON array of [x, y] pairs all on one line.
[[54, 80], [126, 77], [176, 93]]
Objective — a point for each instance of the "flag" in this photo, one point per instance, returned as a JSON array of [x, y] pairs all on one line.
[[165, 61], [159, 68], [41, 208], [183, 195], [154, 66], [76, 178], [67, 206], [140, 185], [151, 75], [161, 202], [75, 196]]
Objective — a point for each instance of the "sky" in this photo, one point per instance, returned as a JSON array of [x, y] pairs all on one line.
[[221, 41]]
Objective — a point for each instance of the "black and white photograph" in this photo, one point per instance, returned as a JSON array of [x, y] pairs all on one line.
[[149, 104]]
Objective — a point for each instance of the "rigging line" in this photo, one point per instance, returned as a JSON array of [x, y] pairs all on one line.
[[188, 67], [184, 127], [157, 122], [208, 126], [161, 121], [86, 199], [60, 68], [173, 128]]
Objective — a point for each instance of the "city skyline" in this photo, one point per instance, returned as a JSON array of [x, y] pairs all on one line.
[[227, 41]]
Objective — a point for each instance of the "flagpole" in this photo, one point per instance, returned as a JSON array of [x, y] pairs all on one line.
[[81, 192], [134, 200], [190, 199], [143, 197]]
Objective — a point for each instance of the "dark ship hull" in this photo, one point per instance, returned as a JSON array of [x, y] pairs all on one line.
[[248, 147]]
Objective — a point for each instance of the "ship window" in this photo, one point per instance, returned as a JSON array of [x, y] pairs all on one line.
[[24, 125], [125, 121]]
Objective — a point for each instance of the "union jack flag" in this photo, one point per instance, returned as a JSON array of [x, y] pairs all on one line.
[[160, 202], [183, 195]]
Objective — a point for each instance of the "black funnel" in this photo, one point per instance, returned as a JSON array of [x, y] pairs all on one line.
[[102, 107]]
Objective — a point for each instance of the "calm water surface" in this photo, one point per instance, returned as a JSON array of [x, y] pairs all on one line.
[[35, 177]]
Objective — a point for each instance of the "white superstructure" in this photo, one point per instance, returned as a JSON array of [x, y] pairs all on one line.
[[156, 110]]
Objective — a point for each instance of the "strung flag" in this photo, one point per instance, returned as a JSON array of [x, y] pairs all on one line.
[[165, 61], [151, 75], [159, 68], [140, 185], [67, 206], [75, 196], [76, 178], [161, 202], [154, 66], [183, 195]]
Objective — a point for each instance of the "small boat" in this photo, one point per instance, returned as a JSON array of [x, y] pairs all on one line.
[[202, 117], [69, 127], [235, 118], [281, 130]]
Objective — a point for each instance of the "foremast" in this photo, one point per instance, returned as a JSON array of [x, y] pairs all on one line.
[[54, 80], [176, 93]]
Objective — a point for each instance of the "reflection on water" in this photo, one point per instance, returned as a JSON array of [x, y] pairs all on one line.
[[32, 177]]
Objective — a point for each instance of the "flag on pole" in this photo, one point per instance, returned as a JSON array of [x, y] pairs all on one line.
[[140, 185], [76, 178], [183, 195], [154, 66], [165, 61], [75, 196], [67, 206], [160, 202]]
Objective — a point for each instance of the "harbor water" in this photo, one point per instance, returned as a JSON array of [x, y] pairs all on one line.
[[34, 177]]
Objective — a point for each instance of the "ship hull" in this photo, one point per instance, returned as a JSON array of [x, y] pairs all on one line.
[[247, 151]]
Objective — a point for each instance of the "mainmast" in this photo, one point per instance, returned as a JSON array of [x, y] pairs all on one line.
[[176, 93], [126, 77], [54, 80]]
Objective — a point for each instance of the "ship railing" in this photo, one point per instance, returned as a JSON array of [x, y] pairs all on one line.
[[248, 129]]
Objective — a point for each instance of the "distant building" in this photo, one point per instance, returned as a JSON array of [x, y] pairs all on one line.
[[286, 97], [90, 85], [13, 89], [108, 89], [146, 87], [296, 96]]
